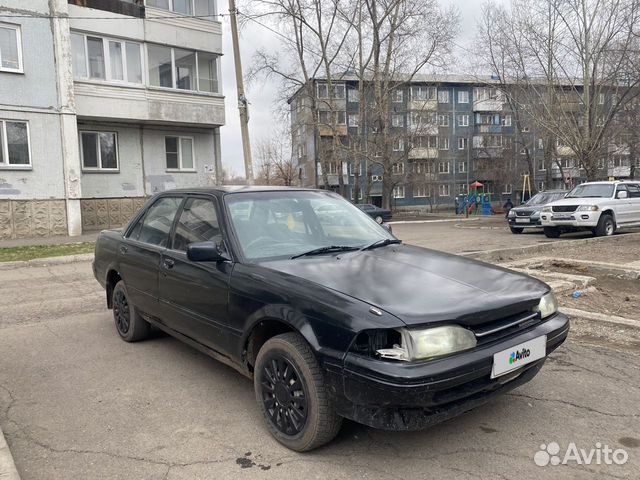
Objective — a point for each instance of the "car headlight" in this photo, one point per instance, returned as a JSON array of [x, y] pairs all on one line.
[[430, 343], [548, 305], [587, 208], [512, 213], [546, 209]]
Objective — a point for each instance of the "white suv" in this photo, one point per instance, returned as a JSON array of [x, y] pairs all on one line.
[[601, 207]]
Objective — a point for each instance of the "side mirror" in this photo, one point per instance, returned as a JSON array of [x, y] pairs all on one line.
[[622, 194], [387, 227], [204, 252]]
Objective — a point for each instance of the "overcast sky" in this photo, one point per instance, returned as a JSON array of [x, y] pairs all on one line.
[[262, 96]]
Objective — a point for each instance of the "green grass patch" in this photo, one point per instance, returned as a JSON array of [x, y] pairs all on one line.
[[14, 254]]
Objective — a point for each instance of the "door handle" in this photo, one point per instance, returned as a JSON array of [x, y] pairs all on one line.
[[123, 249], [168, 263]]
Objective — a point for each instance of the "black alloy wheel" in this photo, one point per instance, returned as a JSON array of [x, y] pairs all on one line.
[[121, 312]]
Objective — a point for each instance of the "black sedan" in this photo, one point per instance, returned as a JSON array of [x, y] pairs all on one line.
[[331, 319], [527, 215], [380, 215]]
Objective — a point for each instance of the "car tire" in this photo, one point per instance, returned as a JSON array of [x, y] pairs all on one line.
[[378, 219], [129, 324], [552, 232], [606, 226], [288, 379], [516, 230]]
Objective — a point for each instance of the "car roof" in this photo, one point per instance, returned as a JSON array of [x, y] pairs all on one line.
[[227, 189]]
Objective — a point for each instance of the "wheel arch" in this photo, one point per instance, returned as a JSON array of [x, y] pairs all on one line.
[[112, 278]]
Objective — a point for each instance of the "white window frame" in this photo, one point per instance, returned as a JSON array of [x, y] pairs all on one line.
[[526, 129], [4, 163], [397, 168], [601, 98], [18, 31], [398, 145], [353, 95], [353, 119], [173, 71], [193, 10], [444, 192], [506, 121], [463, 94], [398, 191], [422, 191], [465, 143], [443, 96], [443, 143], [397, 96], [99, 168], [462, 188], [443, 120], [193, 153], [462, 167], [107, 61], [397, 120], [507, 189], [441, 171], [325, 87], [463, 120]]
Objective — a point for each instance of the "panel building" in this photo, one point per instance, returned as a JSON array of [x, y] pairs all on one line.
[[448, 131], [103, 103]]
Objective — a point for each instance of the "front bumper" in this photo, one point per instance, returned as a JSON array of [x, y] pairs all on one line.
[[531, 222], [577, 219], [411, 396]]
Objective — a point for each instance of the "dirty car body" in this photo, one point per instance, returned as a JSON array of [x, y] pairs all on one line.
[[399, 337]]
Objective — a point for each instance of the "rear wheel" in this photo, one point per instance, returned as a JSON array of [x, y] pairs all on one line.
[[130, 325], [606, 226], [291, 394], [552, 232], [516, 230]]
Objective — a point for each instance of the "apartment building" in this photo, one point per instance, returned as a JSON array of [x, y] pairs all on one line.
[[103, 103], [448, 131]]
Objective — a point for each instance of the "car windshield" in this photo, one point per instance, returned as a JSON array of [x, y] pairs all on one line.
[[283, 224], [543, 198], [592, 190]]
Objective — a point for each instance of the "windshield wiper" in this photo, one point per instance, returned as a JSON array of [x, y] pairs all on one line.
[[381, 243], [328, 249]]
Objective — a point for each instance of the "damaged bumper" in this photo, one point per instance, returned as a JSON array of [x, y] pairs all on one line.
[[412, 396]]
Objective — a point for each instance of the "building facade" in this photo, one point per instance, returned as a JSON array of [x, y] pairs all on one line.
[[103, 103], [448, 131]]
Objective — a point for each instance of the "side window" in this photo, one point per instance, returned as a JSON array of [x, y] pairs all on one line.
[[634, 190], [622, 188], [155, 226], [198, 222]]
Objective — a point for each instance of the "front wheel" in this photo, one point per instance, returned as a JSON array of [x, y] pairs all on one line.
[[606, 226], [516, 230], [129, 324], [552, 232], [291, 394]]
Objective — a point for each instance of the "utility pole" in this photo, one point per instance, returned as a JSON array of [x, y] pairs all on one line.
[[242, 100]]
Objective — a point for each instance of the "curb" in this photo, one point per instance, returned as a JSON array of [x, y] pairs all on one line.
[[600, 317], [402, 222], [7, 466], [43, 262]]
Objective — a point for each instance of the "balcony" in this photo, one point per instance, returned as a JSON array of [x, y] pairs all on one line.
[[619, 172], [489, 105], [328, 131], [333, 180], [131, 8], [420, 105], [569, 172], [422, 153], [564, 151], [488, 128], [148, 105]]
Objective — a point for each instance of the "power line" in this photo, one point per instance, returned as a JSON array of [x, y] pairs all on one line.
[[124, 17]]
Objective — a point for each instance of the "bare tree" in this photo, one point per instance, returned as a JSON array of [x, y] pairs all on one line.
[[276, 165], [568, 65]]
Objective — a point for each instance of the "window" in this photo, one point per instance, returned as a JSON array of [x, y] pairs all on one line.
[[300, 151], [14, 144], [462, 167], [398, 191], [200, 8], [353, 119], [463, 120], [444, 143], [324, 117], [443, 120], [353, 95], [540, 144], [487, 119], [485, 93], [341, 117], [421, 191], [463, 143], [353, 169], [463, 96], [634, 190], [421, 167], [100, 58], [525, 130], [198, 222], [10, 48], [430, 141], [543, 167], [422, 92], [398, 145], [397, 96], [462, 188], [182, 69], [179, 153], [155, 226], [397, 168], [99, 150], [443, 96], [322, 91], [444, 190], [506, 121], [397, 120], [508, 188], [443, 167], [601, 99], [339, 91]]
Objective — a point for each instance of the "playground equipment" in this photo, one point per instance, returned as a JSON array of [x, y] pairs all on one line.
[[476, 203]]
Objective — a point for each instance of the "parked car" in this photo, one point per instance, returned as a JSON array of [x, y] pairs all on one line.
[[527, 215], [330, 321], [601, 207], [380, 215]]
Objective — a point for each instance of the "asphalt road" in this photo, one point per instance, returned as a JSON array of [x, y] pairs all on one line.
[[78, 403]]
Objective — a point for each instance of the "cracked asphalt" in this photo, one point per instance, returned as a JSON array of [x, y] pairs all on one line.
[[78, 403]]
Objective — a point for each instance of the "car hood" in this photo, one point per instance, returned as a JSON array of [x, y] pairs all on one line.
[[421, 286], [578, 201], [528, 208]]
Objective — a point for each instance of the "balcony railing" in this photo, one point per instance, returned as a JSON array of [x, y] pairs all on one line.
[[132, 8]]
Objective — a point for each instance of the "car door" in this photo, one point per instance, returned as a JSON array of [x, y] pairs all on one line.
[[140, 253], [634, 202], [195, 294], [622, 205]]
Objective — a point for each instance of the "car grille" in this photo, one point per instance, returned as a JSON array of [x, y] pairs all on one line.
[[564, 208], [524, 213], [505, 327]]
